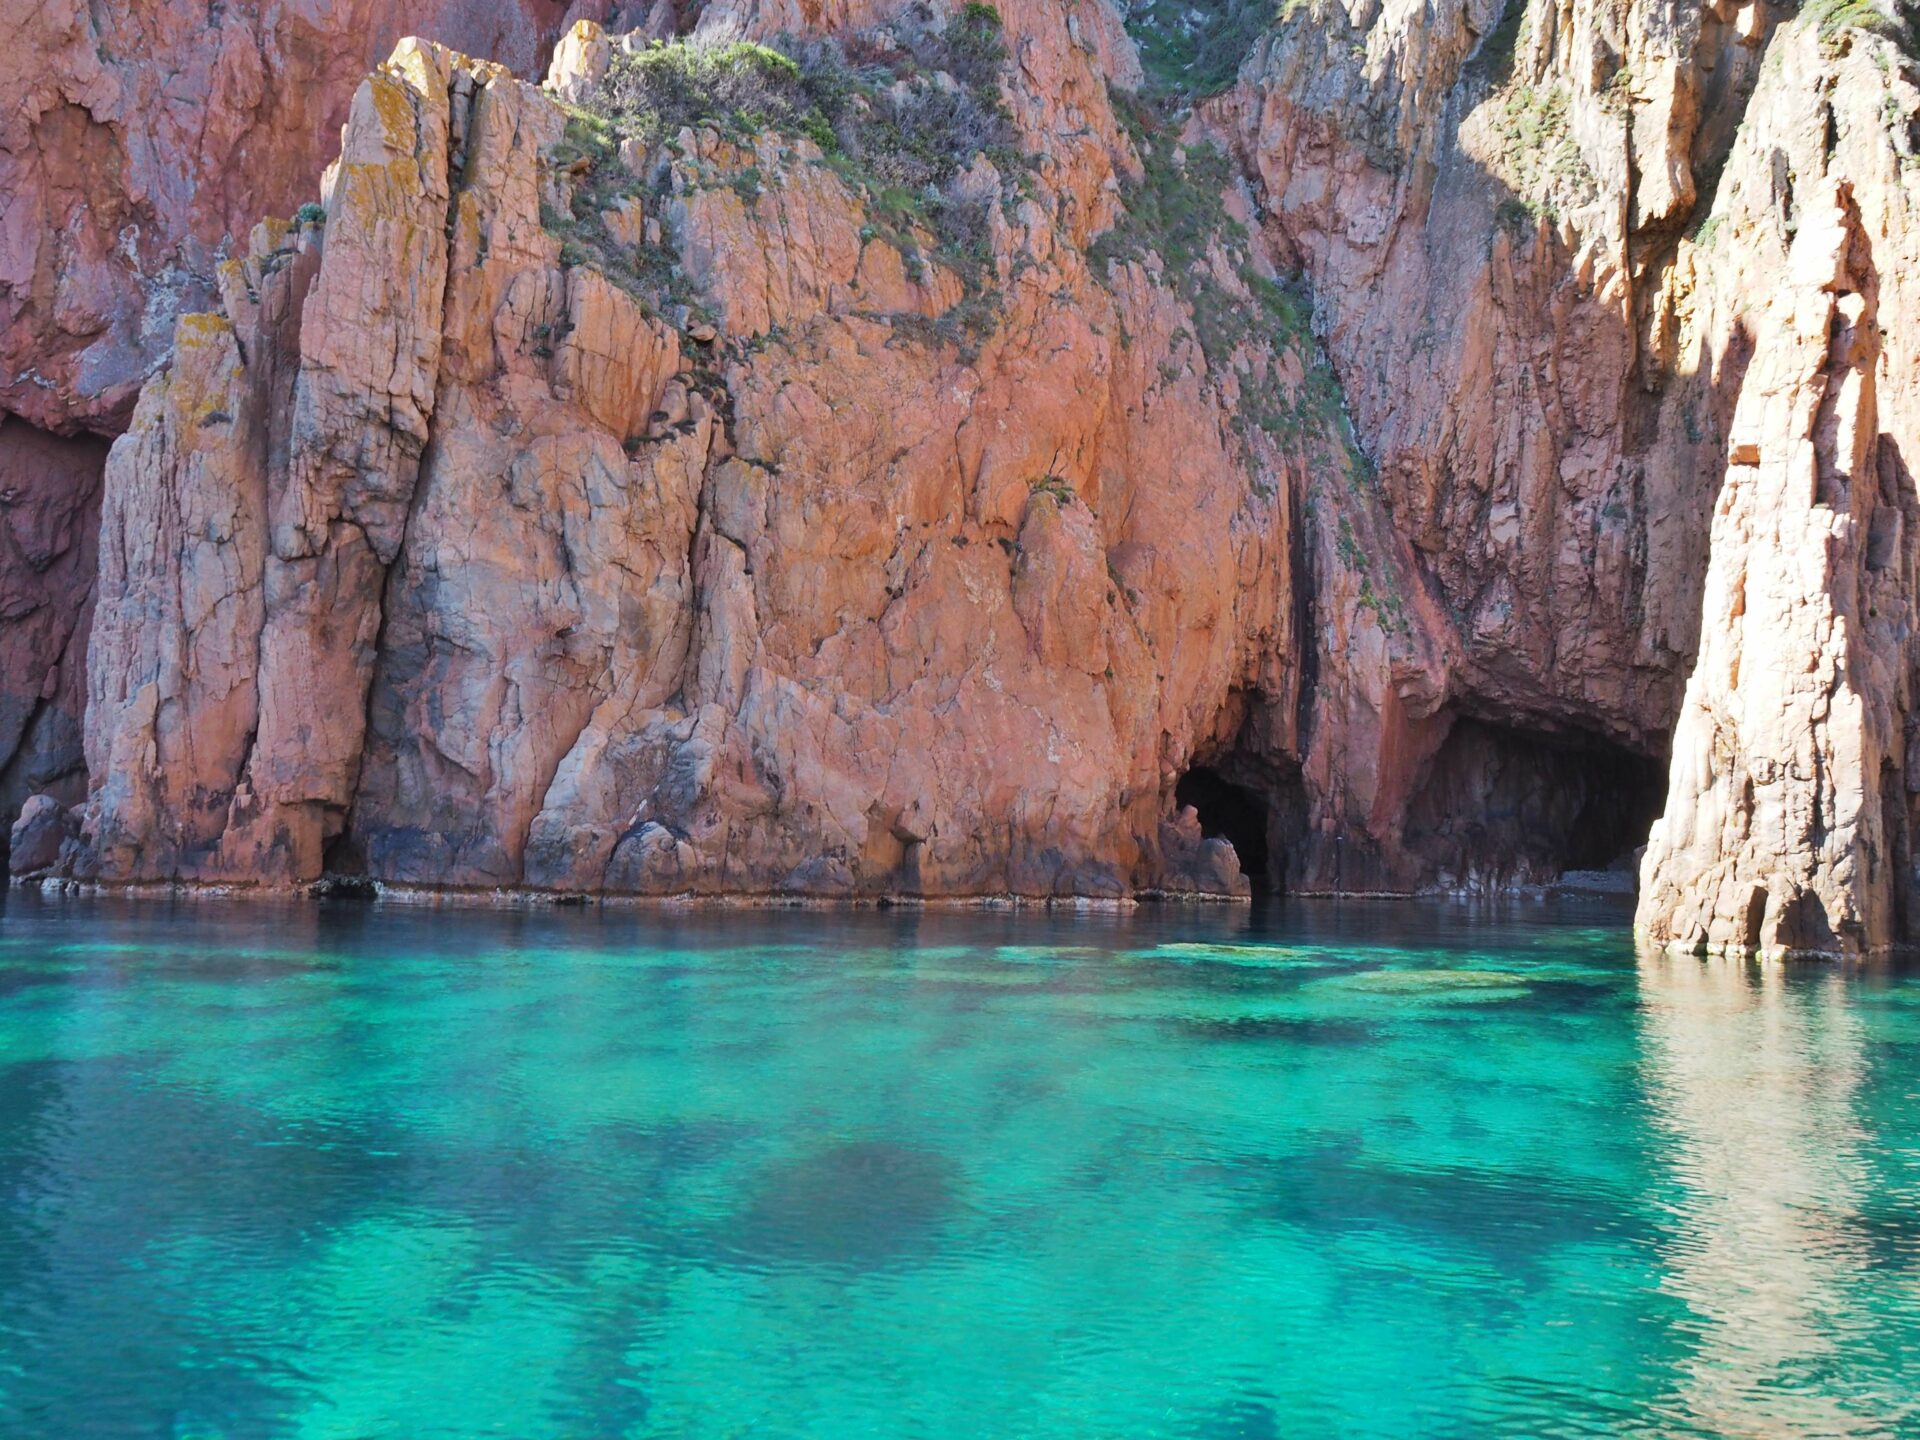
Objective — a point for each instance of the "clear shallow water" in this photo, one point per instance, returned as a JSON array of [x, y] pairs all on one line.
[[1390, 1171]]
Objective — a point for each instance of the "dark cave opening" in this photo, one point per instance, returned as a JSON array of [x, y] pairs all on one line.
[[1527, 807], [1236, 814], [1621, 795]]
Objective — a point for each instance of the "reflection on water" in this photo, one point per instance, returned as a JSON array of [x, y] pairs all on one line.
[[1351, 1170], [1758, 1079]]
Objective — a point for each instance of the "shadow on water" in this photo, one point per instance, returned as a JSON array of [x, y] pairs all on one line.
[[1300, 1030], [1235, 1420], [1511, 1219]]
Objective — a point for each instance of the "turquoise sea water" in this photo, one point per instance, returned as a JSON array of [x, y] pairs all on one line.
[[1372, 1171]]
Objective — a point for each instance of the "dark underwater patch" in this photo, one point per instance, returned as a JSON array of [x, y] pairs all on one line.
[[1514, 1219], [1283, 1030], [1236, 1419], [858, 1205], [1576, 995], [22, 979]]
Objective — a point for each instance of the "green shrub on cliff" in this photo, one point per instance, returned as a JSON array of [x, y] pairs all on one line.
[[1195, 47], [1833, 18], [899, 112], [911, 106], [1176, 217], [736, 84], [648, 271]]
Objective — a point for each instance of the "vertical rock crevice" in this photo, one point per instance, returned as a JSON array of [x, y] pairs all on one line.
[[667, 518]]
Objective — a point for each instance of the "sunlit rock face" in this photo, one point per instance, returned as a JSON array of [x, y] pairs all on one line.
[[711, 510], [1790, 813], [444, 554], [139, 139], [1550, 248]]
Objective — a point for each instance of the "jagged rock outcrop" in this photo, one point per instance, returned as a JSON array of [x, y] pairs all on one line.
[[1789, 821], [49, 498], [533, 589], [1538, 236], [1774, 834], [136, 141], [1460, 184], [137, 138]]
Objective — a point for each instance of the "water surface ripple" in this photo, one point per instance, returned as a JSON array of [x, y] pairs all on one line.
[[369, 1171]]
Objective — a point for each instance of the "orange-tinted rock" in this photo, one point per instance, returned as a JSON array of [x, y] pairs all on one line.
[[139, 144], [630, 642], [758, 563], [1542, 326], [1790, 815], [174, 661], [138, 140]]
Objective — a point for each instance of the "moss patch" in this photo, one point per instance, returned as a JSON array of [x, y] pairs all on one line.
[[897, 112]]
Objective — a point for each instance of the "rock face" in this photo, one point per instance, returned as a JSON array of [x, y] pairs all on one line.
[[49, 504], [40, 837], [434, 556], [136, 138], [1789, 822], [1542, 241], [135, 141], [1776, 833], [1331, 466]]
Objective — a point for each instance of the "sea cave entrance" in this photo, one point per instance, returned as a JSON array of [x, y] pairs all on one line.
[[1622, 794], [1237, 814], [1530, 807]]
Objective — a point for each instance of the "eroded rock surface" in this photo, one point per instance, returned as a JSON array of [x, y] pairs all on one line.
[[49, 520], [138, 146], [534, 588], [1542, 238], [1789, 821]]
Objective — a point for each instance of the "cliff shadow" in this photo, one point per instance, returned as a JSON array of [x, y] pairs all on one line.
[[1541, 384], [1501, 806]]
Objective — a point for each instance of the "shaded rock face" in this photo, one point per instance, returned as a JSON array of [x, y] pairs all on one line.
[[1378, 439], [40, 836], [49, 518], [1550, 249], [138, 138]]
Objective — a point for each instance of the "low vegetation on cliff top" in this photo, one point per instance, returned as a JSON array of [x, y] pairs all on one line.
[[899, 113], [913, 105], [1195, 47], [1832, 19]]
